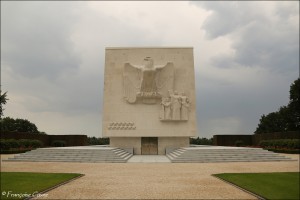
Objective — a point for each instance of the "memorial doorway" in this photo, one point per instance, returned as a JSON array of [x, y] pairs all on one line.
[[149, 145]]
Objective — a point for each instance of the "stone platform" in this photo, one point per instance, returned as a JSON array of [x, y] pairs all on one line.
[[208, 154], [106, 154], [85, 154], [149, 159]]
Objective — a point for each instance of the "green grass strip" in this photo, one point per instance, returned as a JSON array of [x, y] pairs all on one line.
[[267, 185], [19, 185]]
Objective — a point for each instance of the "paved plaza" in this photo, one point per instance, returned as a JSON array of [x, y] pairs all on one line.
[[143, 178], [149, 159]]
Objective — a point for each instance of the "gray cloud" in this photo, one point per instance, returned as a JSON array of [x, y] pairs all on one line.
[[36, 38], [53, 58], [245, 103], [265, 50], [226, 17], [260, 36]]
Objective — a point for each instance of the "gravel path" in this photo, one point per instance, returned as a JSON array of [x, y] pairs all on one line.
[[149, 180]]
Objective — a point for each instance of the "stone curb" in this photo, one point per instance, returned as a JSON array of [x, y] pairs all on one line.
[[247, 191], [56, 186]]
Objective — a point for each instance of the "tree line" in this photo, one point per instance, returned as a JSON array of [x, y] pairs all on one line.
[[15, 125], [287, 118]]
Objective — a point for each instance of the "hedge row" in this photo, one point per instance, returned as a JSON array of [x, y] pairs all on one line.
[[289, 151], [201, 141], [58, 143], [281, 144], [98, 141], [22, 143], [14, 151]]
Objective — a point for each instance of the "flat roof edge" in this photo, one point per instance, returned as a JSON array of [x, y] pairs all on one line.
[[112, 48]]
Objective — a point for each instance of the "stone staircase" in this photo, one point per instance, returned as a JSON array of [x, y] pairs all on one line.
[[223, 154], [75, 154]]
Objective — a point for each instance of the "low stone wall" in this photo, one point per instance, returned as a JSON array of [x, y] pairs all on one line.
[[229, 140], [256, 138], [71, 140], [31, 136]]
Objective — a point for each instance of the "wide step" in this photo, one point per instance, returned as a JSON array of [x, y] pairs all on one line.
[[226, 154], [94, 155]]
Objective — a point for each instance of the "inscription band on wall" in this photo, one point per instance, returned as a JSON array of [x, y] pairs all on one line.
[[121, 126]]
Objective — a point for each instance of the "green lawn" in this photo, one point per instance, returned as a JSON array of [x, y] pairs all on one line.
[[18, 185], [268, 185]]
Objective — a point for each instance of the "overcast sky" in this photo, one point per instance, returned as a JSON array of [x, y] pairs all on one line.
[[52, 58]]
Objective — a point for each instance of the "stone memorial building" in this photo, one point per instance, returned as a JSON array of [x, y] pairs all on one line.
[[149, 98]]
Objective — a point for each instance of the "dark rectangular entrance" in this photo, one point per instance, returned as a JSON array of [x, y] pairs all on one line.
[[149, 145]]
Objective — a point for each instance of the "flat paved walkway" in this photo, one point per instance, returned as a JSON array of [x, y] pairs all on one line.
[[149, 159], [150, 180]]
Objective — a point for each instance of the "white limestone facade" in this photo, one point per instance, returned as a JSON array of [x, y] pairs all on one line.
[[149, 98]]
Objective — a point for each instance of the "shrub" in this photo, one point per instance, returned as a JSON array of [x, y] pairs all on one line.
[[4, 145], [239, 143], [36, 143], [103, 141], [289, 151], [24, 143], [12, 144], [294, 144], [98, 141], [8, 144], [58, 143], [201, 141], [14, 151], [282, 143]]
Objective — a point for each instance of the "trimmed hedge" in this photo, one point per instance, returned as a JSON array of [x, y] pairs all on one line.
[[98, 141], [58, 143], [201, 141], [14, 151], [289, 151], [239, 143], [280, 144], [13, 146], [23, 143]]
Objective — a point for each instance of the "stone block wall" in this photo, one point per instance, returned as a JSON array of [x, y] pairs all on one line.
[[229, 140], [71, 140]]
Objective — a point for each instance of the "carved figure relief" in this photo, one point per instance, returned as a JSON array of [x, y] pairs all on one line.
[[165, 113], [185, 106], [175, 107], [121, 126], [147, 83]]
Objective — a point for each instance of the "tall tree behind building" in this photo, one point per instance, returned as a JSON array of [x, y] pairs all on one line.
[[287, 118]]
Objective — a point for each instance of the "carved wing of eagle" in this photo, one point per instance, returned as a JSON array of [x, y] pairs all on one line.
[[131, 82], [165, 78]]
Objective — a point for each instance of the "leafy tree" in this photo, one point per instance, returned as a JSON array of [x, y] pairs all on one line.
[[3, 100], [201, 141], [294, 105], [18, 125], [98, 141], [287, 118]]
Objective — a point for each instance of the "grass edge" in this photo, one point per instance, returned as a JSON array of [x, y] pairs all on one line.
[[56, 186], [243, 189]]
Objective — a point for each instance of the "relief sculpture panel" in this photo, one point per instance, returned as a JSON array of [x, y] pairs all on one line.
[[147, 83], [175, 107], [149, 92]]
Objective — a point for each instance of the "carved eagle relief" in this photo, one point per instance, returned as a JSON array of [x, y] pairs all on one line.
[[147, 82]]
